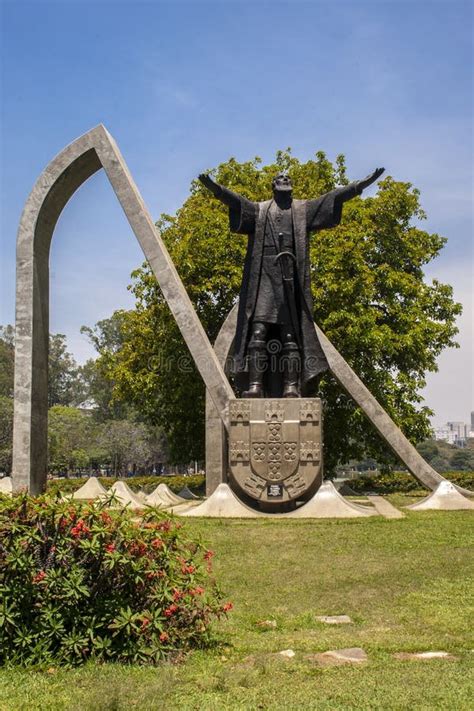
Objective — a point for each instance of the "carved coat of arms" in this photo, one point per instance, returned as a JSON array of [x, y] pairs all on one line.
[[275, 446]]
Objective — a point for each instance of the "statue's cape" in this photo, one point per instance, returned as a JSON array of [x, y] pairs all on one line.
[[308, 216]]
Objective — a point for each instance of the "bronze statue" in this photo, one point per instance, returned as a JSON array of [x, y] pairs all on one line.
[[275, 303]]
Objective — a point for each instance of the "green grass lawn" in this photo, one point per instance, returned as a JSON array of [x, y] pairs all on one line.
[[407, 584]]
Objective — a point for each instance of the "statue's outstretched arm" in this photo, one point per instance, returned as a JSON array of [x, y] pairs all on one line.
[[220, 192], [326, 212], [363, 184], [347, 192]]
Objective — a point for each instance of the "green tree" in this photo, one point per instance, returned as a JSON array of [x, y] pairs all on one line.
[[428, 449], [130, 446], [370, 294], [6, 433], [64, 386], [462, 459], [7, 359], [97, 374], [72, 438]]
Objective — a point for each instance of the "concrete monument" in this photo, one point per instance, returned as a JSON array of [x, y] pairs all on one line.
[[292, 223]]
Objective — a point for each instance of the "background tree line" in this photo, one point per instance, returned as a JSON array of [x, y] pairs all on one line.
[[87, 430]]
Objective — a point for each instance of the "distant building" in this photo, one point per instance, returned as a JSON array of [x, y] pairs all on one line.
[[442, 434], [453, 433]]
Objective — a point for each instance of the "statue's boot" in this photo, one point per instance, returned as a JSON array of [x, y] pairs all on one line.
[[291, 370], [257, 364]]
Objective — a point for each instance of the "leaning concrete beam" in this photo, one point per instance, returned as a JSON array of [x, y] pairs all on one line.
[[168, 279], [354, 387], [375, 413], [58, 182]]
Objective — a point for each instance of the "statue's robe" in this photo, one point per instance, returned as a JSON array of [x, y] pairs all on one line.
[[250, 218]]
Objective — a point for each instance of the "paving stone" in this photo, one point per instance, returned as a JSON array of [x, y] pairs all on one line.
[[337, 657], [334, 619], [424, 655], [385, 508], [270, 624]]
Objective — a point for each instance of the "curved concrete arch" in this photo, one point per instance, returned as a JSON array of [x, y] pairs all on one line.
[[216, 455], [55, 186]]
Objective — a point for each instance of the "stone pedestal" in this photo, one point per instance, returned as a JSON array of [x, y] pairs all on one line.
[[275, 448]]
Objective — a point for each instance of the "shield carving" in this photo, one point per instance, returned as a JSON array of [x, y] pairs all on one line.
[[275, 447]]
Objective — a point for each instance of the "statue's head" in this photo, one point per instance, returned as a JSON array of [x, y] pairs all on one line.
[[282, 183]]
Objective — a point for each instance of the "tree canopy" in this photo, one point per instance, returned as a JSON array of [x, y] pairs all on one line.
[[371, 298]]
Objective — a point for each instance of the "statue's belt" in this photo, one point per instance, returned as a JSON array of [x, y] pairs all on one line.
[[270, 251]]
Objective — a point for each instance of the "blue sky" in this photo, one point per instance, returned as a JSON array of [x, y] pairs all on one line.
[[183, 86]]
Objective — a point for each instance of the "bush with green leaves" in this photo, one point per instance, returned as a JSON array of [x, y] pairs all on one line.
[[79, 581], [195, 482], [403, 482]]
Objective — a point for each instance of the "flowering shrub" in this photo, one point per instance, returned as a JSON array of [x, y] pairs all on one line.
[[78, 581]]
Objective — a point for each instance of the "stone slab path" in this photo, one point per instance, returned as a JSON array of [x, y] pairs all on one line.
[[384, 507], [424, 655], [334, 619], [336, 657]]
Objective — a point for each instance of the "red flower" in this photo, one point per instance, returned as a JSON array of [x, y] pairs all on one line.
[[39, 576], [164, 526], [177, 595], [227, 606], [105, 516], [79, 528], [157, 543], [145, 622], [164, 637], [139, 548], [110, 547], [170, 610], [196, 591], [208, 555], [187, 569]]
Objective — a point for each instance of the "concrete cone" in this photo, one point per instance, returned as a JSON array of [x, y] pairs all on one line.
[[223, 503], [166, 494], [444, 498], [187, 494], [328, 503], [6, 486], [125, 496], [92, 489]]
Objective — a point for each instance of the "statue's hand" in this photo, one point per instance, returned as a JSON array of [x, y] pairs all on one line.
[[363, 184], [207, 181]]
